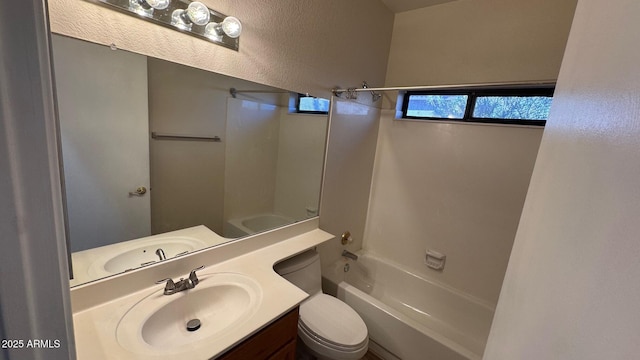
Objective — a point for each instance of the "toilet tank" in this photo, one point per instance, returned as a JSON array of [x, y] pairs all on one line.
[[302, 270]]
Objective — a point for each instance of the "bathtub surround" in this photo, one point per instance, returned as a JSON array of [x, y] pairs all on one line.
[[353, 129], [455, 188], [301, 152], [580, 302], [462, 197], [252, 224], [459, 188], [250, 170], [270, 151], [174, 91], [268, 162]]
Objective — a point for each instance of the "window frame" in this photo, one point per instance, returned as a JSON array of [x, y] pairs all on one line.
[[473, 94], [298, 111]]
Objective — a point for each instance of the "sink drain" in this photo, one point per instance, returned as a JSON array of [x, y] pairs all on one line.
[[193, 324]]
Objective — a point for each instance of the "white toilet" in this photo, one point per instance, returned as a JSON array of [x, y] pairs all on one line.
[[329, 329]]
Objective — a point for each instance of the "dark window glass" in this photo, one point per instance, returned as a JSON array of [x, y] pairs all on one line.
[[437, 106], [517, 105], [512, 107]]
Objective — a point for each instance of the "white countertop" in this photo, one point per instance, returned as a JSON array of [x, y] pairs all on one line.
[[89, 265], [95, 326]]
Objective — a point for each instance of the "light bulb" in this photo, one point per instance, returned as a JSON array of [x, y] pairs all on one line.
[[140, 8], [146, 7], [231, 26], [198, 13], [158, 4], [178, 20]]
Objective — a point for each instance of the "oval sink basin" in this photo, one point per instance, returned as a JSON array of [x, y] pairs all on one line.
[[143, 252], [158, 323]]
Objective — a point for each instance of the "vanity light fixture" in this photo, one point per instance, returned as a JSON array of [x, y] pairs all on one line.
[[190, 17], [230, 26]]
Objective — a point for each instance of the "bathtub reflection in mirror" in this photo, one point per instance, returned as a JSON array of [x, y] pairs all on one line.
[[160, 160]]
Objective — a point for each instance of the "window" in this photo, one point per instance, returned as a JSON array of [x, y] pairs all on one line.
[[312, 105], [518, 106], [437, 106]]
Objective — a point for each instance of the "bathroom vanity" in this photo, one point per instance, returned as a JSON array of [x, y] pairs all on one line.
[[246, 310], [276, 342]]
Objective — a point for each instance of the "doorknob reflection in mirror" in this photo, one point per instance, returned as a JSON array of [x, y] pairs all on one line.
[[139, 191]]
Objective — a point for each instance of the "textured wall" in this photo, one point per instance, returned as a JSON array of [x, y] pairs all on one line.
[[474, 41], [571, 290], [305, 46]]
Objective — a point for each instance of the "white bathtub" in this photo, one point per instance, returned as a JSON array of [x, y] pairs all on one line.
[[410, 317], [252, 224]]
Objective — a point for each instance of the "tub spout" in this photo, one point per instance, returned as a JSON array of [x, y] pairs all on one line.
[[349, 255], [161, 254]]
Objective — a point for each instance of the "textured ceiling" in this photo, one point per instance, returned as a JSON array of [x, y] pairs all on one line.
[[405, 5]]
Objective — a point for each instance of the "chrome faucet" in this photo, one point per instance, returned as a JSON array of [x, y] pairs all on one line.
[[161, 254], [349, 255], [172, 287]]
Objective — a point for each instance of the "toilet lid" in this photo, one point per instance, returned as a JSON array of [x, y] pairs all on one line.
[[332, 322]]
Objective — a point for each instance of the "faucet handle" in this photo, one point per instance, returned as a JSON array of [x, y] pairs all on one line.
[[193, 277], [170, 285]]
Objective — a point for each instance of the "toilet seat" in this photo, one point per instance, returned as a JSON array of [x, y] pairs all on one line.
[[332, 326]]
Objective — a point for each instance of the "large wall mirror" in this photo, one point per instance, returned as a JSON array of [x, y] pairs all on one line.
[[160, 160]]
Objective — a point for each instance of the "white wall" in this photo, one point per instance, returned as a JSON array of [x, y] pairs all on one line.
[[309, 46], [187, 177], [251, 158], [353, 130], [104, 124], [301, 148], [571, 290], [33, 270], [459, 188]]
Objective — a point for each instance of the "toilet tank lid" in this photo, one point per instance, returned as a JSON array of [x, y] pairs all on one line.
[[296, 262]]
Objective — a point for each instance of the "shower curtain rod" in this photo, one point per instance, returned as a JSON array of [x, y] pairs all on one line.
[[336, 92], [234, 91]]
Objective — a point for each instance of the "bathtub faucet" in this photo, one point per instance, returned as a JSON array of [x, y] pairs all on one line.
[[349, 255], [161, 254]]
